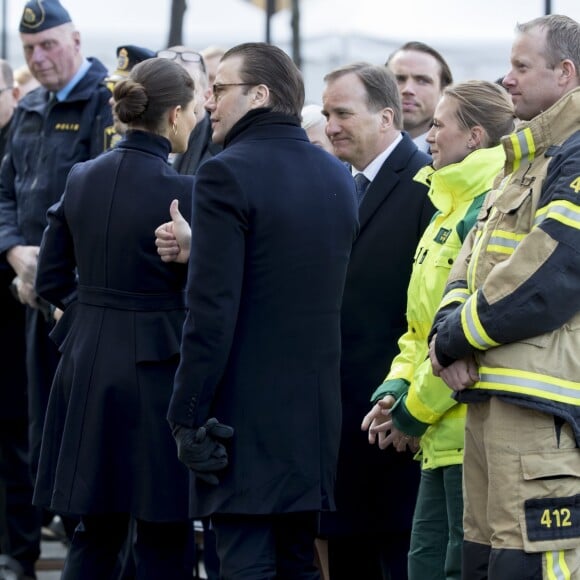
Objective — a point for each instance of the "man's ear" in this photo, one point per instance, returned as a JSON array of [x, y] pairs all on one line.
[[76, 36], [387, 117], [568, 70], [261, 96]]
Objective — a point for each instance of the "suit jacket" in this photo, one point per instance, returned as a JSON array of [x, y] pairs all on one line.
[[199, 149], [106, 446], [274, 219], [376, 489]]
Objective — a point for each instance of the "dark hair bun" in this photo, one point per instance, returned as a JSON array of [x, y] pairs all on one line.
[[130, 101]]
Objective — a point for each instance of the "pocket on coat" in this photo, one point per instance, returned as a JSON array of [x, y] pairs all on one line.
[[510, 204], [63, 329], [446, 257], [550, 500]]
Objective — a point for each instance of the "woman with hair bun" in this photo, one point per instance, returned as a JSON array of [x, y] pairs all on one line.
[[107, 453]]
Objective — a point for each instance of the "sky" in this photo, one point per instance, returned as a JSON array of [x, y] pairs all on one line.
[[116, 22], [475, 35]]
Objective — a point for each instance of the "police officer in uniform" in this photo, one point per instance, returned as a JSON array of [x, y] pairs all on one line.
[[61, 123]]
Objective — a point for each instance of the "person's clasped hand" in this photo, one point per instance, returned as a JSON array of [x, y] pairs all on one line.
[[378, 419], [461, 374], [202, 449]]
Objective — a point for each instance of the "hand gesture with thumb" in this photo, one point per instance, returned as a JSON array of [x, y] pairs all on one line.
[[173, 239]]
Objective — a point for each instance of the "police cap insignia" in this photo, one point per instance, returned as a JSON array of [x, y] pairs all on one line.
[[127, 57], [40, 15], [123, 60]]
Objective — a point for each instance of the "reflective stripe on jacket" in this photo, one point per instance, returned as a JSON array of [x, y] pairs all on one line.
[[520, 276]]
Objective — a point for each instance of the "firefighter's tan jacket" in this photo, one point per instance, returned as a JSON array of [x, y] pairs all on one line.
[[513, 296]]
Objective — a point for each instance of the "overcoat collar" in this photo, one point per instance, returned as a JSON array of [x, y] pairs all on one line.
[[259, 118], [387, 179]]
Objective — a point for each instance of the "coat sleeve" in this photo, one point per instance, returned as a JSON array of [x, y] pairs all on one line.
[[537, 289], [216, 272], [10, 234], [56, 280], [426, 401]]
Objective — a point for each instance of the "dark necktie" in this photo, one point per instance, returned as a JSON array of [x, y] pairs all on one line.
[[361, 183]]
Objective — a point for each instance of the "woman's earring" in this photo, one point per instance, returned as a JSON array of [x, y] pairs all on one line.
[[174, 128]]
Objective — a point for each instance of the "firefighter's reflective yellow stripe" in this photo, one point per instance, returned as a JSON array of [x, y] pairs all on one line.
[[504, 242], [529, 383], [458, 295], [523, 145], [472, 327], [556, 566], [561, 210]]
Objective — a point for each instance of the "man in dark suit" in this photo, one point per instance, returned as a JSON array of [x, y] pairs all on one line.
[[273, 224], [376, 490]]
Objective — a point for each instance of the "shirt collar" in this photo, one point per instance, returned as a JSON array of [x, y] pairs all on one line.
[[66, 90]]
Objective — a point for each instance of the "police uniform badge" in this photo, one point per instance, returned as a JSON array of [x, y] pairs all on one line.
[[33, 16]]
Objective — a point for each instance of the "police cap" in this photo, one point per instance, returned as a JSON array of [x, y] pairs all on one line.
[[127, 57], [40, 15]]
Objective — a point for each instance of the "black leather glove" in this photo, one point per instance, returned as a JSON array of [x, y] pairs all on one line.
[[201, 449], [218, 430]]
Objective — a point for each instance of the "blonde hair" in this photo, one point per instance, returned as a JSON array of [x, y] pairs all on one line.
[[485, 104]]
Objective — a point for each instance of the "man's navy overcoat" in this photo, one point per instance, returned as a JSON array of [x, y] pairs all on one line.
[[273, 224]]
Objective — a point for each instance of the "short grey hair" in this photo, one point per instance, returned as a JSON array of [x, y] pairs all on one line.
[[380, 86]]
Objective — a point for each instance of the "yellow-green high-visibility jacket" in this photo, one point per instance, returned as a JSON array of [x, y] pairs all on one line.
[[514, 293], [427, 409]]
